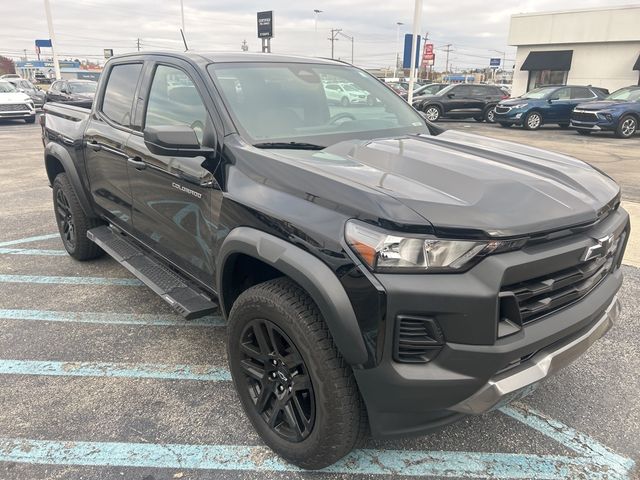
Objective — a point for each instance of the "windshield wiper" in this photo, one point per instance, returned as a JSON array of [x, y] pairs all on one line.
[[289, 145]]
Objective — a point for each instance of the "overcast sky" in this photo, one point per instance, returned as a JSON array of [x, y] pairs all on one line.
[[85, 27]]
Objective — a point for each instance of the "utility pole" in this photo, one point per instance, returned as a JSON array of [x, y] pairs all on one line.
[[56, 65], [138, 44], [417, 20], [348, 37], [334, 38], [315, 35], [395, 68], [244, 47], [448, 49]]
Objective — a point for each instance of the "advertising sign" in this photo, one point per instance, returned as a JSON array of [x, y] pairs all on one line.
[[406, 59], [43, 43], [428, 56], [108, 52], [494, 62], [265, 24]]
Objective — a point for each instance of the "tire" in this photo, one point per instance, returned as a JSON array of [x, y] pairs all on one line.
[[533, 121], [489, 114], [72, 222], [31, 119], [584, 132], [328, 398], [344, 102], [432, 112], [627, 127], [564, 126], [505, 124]]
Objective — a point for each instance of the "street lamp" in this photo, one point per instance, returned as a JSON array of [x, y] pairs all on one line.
[[395, 68], [315, 38]]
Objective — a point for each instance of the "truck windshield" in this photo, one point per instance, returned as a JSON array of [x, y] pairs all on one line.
[[6, 87], [314, 103]]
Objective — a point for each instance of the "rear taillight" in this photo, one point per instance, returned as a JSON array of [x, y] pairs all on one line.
[[504, 97]]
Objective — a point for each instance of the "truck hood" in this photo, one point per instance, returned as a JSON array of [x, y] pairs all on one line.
[[463, 181], [13, 97]]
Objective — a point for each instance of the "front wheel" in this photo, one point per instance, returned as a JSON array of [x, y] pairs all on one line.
[[490, 114], [432, 113], [344, 102], [73, 223], [293, 384], [627, 127], [532, 121]]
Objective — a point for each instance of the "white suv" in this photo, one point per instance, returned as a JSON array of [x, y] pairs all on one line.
[[14, 104]]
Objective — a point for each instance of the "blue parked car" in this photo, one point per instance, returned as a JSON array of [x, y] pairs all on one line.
[[619, 112], [549, 104]]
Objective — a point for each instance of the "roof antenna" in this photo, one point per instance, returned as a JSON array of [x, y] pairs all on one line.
[[186, 47]]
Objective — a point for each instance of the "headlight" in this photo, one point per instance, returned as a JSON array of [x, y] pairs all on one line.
[[520, 105], [388, 252]]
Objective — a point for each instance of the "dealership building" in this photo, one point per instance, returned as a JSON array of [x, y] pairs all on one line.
[[599, 47]]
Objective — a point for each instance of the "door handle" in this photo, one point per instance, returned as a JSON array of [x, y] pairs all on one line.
[[95, 146], [137, 163]]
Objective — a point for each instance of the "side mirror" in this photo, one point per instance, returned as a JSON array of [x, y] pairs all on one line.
[[451, 95], [174, 141], [553, 99]]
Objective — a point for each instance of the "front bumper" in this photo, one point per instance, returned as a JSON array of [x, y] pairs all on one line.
[[12, 114], [521, 381], [513, 116], [474, 371]]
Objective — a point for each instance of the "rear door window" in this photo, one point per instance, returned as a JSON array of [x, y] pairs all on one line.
[[581, 92], [119, 92]]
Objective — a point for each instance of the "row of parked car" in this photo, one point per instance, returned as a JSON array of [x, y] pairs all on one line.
[[585, 108]]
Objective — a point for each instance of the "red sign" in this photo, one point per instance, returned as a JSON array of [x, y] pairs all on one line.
[[427, 53]]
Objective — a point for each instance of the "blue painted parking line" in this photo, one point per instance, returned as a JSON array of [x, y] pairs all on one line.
[[110, 318], [33, 251], [570, 438], [37, 238], [130, 282], [261, 459], [125, 370]]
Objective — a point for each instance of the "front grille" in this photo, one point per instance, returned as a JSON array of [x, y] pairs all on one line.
[[417, 339], [501, 109], [544, 295], [13, 107], [584, 116]]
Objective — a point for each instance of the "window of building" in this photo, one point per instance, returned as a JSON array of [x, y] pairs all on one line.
[[538, 78], [119, 92]]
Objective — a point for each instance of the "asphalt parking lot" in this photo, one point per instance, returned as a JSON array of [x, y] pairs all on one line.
[[99, 379]]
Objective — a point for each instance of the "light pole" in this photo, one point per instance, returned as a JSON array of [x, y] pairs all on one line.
[[504, 56], [182, 15], [315, 38], [417, 20], [395, 68], [56, 65]]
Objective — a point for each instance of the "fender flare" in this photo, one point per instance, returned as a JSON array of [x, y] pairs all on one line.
[[54, 150], [315, 277]]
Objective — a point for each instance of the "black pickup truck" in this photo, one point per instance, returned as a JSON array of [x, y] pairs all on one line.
[[378, 274]]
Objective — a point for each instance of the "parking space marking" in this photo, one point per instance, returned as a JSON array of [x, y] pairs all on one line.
[[103, 369], [111, 318], [130, 282], [569, 437], [37, 238], [261, 459], [33, 251]]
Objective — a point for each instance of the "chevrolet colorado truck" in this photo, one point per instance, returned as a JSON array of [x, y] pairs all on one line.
[[378, 275]]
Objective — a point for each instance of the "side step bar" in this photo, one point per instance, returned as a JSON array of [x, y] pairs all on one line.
[[174, 289]]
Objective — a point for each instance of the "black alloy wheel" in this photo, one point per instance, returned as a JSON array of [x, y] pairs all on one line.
[[277, 380], [66, 223]]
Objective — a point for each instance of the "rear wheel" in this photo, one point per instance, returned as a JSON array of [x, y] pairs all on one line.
[[72, 222], [489, 114], [432, 112], [627, 127], [293, 384], [532, 121]]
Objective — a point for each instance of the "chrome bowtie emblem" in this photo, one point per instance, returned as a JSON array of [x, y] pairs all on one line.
[[601, 248]]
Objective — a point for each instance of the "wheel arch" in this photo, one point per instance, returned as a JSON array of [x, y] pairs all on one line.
[[312, 275]]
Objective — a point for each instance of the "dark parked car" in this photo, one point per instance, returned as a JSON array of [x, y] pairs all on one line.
[[40, 77], [377, 274], [423, 90], [77, 92], [462, 101], [543, 105], [619, 113], [25, 86]]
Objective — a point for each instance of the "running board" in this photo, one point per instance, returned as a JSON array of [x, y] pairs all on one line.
[[173, 288]]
